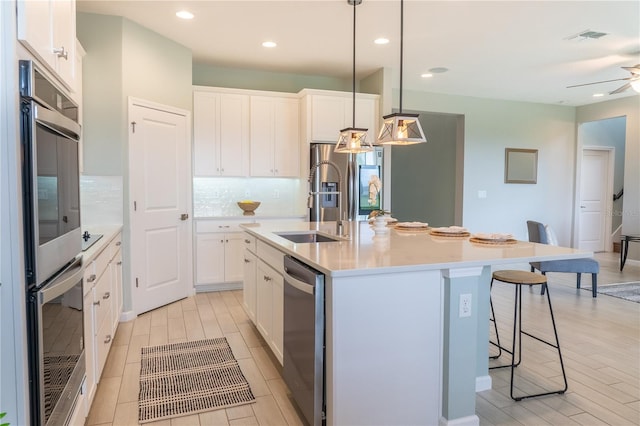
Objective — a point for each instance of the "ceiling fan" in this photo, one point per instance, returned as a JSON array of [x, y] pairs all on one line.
[[633, 81]]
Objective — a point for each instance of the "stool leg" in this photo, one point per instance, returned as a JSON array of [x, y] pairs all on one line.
[[495, 325], [557, 346], [594, 285], [517, 326]]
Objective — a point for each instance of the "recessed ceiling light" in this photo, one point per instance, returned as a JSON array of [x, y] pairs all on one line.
[[426, 75], [598, 95], [269, 44], [183, 14], [381, 40]]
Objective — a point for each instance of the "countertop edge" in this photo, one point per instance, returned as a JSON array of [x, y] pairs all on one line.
[[108, 234]]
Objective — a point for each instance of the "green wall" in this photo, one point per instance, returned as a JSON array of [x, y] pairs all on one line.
[[423, 176], [215, 76]]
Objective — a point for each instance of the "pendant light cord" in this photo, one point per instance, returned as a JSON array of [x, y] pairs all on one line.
[[353, 112], [401, 45]]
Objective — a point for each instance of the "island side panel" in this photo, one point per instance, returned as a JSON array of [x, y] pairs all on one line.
[[460, 345], [384, 348]]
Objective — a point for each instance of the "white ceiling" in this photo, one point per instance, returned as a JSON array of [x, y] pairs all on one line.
[[514, 50]]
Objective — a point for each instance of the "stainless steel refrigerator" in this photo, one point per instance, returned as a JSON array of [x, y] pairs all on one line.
[[359, 183]]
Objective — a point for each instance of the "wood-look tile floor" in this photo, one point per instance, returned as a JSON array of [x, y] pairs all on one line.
[[600, 341]]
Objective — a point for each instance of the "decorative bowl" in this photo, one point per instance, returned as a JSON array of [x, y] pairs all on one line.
[[248, 207]]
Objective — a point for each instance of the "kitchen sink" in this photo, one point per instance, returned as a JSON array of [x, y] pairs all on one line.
[[307, 237]]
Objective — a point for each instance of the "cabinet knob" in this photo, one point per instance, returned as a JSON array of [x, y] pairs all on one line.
[[106, 295], [247, 261], [247, 241], [91, 278], [118, 243], [120, 262], [61, 52], [222, 241], [107, 339], [267, 278], [96, 303]]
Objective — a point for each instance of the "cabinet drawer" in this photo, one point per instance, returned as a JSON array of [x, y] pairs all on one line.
[[102, 299], [89, 279], [249, 242], [114, 246], [271, 256], [218, 226], [101, 262]]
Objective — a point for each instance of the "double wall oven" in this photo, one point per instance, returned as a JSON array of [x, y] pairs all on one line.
[[50, 135]]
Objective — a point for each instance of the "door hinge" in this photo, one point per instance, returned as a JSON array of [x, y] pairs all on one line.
[[136, 282], [133, 126]]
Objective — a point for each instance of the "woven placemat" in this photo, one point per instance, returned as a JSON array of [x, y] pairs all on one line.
[[187, 378]]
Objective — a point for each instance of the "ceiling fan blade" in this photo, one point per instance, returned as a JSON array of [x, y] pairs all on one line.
[[621, 89], [598, 82], [633, 70]]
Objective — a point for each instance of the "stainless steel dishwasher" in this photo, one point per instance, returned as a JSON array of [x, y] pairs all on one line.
[[303, 366]]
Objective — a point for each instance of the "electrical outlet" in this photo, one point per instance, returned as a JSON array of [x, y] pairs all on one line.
[[465, 305]]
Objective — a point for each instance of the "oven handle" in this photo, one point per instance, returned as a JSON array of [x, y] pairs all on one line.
[[62, 283], [56, 122]]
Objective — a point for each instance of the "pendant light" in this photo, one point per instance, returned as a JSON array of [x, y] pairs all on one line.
[[353, 140], [401, 128]]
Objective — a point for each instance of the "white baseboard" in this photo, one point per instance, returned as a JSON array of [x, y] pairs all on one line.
[[127, 316], [462, 421], [483, 383], [206, 288]]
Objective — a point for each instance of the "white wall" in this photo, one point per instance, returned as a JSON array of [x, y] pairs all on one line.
[[13, 368], [628, 107], [490, 127]]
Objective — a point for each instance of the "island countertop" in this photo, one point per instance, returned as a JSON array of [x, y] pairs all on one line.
[[399, 251]]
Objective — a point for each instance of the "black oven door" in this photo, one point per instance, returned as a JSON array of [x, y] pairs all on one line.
[[57, 363]]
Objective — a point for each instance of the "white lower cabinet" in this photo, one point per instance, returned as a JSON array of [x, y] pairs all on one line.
[[102, 306], [249, 284], [219, 255], [263, 292]]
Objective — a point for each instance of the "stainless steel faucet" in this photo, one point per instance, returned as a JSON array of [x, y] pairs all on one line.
[[312, 172]]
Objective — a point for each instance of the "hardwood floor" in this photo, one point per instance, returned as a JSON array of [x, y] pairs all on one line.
[[599, 338]]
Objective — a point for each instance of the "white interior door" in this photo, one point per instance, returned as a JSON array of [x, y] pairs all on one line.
[[159, 169], [594, 181]]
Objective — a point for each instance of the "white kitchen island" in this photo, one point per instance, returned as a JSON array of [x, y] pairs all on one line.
[[397, 349]]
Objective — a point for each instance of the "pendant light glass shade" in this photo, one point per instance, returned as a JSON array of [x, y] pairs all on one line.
[[353, 140], [401, 128]]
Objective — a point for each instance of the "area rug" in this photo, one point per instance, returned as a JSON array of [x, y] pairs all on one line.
[[627, 291], [188, 378]]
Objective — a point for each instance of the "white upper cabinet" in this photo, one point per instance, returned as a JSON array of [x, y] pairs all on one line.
[[326, 113], [48, 29], [220, 134], [275, 136]]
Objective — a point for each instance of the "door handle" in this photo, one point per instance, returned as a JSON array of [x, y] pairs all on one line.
[[184, 216], [583, 207]]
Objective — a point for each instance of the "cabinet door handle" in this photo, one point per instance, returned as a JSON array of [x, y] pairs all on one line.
[[247, 261], [107, 294], [61, 52], [222, 241], [91, 278], [267, 278], [247, 241], [226, 241], [96, 303], [107, 339], [184, 216], [120, 263], [118, 243]]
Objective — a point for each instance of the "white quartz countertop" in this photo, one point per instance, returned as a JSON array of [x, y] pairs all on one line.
[[108, 233], [400, 250]]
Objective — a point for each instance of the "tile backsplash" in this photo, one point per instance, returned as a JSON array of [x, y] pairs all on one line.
[[213, 196], [101, 200]]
